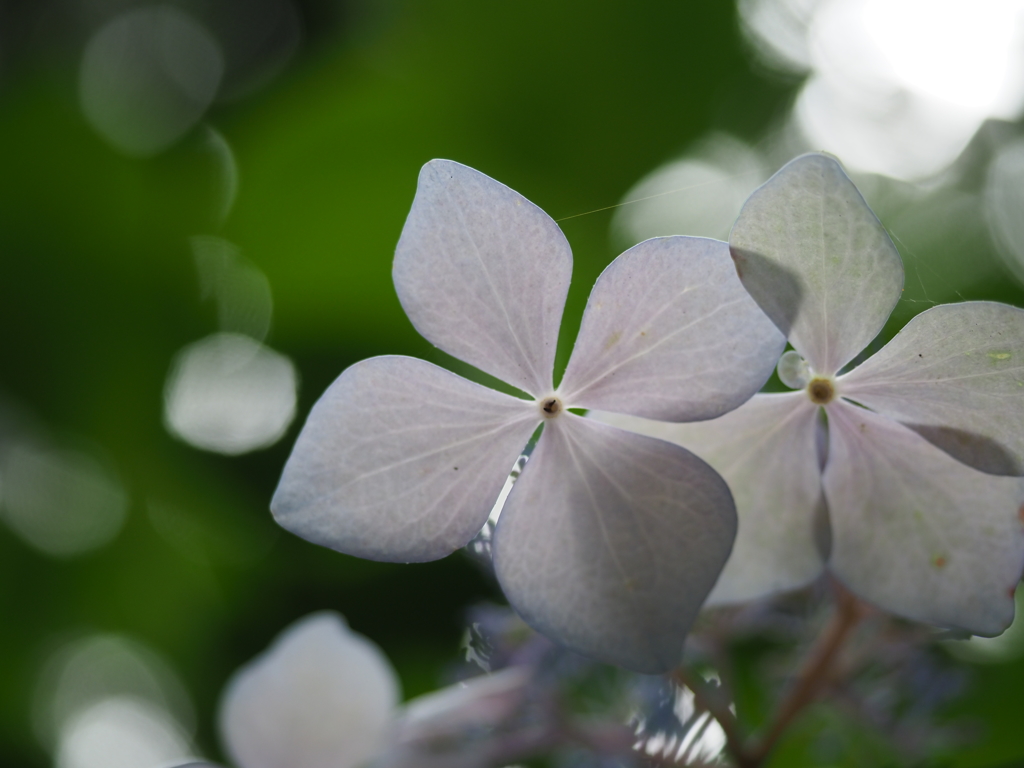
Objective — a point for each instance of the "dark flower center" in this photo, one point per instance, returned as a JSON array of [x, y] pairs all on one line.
[[821, 391], [551, 407]]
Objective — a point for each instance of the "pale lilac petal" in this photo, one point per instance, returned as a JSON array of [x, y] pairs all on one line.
[[482, 273], [443, 729], [321, 696], [401, 460], [817, 260], [609, 542], [766, 451], [955, 375], [917, 532], [670, 333]]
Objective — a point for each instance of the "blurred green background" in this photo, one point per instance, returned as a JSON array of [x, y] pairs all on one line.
[[569, 103]]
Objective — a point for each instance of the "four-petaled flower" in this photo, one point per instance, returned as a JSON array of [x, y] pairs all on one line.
[[912, 501], [609, 541]]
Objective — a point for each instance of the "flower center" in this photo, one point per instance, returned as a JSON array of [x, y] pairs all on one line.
[[821, 391], [550, 407]]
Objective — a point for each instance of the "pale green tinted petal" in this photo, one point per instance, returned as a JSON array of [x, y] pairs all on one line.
[[917, 532], [320, 697], [401, 460], [482, 273], [609, 542], [766, 451], [793, 370], [670, 333], [955, 375], [817, 260]]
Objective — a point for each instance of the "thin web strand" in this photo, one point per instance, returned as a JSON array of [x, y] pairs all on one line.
[[917, 263], [663, 194]]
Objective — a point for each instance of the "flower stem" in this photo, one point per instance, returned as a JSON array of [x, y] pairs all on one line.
[[816, 670], [814, 675]]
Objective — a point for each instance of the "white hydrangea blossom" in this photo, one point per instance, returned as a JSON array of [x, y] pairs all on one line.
[[321, 696], [913, 500], [609, 541]]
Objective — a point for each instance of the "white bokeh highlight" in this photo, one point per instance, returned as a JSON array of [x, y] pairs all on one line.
[[240, 290], [1004, 202], [229, 394], [106, 701], [122, 732], [61, 501], [700, 194], [147, 77], [897, 87]]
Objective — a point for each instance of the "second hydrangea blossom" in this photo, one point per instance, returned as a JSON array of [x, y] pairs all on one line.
[[912, 500], [609, 540]]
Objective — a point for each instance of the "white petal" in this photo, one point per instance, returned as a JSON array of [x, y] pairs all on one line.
[[452, 713], [817, 260], [670, 333], [916, 531], [609, 542], [401, 460], [955, 375], [482, 273], [466, 725], [322, 696], [766, 451]]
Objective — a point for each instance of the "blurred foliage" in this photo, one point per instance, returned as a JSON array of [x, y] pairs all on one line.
[[568, 103]]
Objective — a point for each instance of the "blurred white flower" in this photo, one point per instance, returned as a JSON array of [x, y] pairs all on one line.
[[609, 541], [925, 439], [321, 696]]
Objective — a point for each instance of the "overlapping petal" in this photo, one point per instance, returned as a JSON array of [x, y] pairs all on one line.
[[442, 729], [766, 451], [814, 256], [670, 333], [320, 697], [401, 460], [955, 375], [917, 532], [610, 541], [483, 273]]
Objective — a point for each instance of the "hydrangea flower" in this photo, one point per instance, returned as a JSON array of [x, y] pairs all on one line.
[[323, 696], [609, 541], [912, 500]]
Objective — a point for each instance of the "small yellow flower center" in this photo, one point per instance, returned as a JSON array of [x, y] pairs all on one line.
[[821, 391]]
